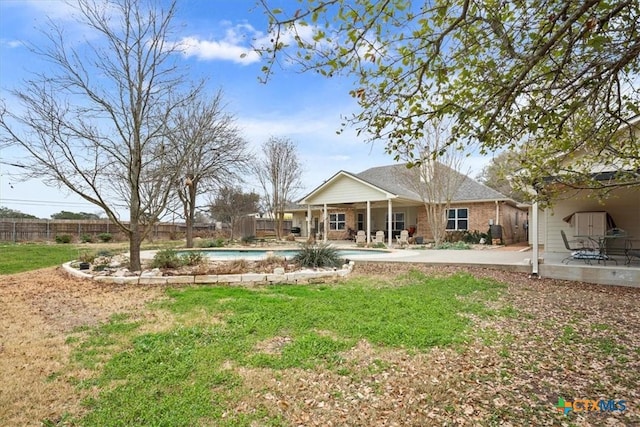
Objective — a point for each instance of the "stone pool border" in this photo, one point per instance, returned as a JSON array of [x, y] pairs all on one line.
[[297, 277]]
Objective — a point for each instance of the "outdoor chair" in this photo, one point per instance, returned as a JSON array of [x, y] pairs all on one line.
[[361, 237], [630, 252], [580, 252], [379, 237], [403, 238]]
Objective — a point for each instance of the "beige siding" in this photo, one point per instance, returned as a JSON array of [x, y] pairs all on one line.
[[346, 190], [623, 206]]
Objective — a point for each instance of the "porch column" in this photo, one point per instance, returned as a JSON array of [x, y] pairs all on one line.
[[326, 224], [390, 222], [497, 213], [308, 221], [368, 221]]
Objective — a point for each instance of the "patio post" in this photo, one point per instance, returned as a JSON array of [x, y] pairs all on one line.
[[326, 225], [534, 229], [390, 222], [368, 221], [308, 221]]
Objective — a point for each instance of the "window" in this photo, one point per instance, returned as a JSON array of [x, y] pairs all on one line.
[[397, 221], [458, 219], [360, 224], [337, 221]]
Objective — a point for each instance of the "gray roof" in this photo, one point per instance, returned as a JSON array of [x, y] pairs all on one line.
[[390, 178]]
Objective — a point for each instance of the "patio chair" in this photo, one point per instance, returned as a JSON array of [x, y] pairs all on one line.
[[361, 237], [403, 238], [630, 252], [581, 252], [379, 237]]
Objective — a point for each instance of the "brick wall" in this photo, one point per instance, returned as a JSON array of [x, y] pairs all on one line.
[[350, 219], [479, 216]]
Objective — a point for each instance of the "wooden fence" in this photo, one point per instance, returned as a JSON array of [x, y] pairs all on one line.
[[259, 227], [34, 230]]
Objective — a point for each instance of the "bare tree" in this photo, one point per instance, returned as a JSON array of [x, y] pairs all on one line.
[[208, 151], [95, 121], [500, 174], [437, 177], [232, 203], [279, 175]]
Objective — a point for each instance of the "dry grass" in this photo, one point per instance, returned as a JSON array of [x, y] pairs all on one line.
[[562, 339]]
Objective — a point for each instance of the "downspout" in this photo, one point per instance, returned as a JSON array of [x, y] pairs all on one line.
[[533, 228]]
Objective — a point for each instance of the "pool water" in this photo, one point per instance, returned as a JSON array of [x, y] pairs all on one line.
[[258, 254]]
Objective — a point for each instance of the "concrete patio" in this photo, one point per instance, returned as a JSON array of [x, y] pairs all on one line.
[[514, 258]]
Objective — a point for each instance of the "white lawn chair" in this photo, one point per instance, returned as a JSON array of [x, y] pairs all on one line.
[[379, 237], [403, 238], [361, 237]]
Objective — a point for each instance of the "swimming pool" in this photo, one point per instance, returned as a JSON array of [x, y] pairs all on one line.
[[258, 254]]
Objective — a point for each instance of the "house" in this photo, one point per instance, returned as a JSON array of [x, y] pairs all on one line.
[[380, 199]]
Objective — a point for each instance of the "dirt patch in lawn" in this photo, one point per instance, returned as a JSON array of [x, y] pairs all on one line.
[[550, 339], [39, 311]]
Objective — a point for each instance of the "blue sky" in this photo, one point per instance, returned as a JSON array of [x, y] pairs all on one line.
[[305, 108]]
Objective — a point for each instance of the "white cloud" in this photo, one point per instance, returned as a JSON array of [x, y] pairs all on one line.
[[218, 50], [11, 43], [56, 10]]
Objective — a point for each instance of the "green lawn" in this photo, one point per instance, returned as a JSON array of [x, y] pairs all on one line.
[[188, 374], [20, 257], [17, 258]]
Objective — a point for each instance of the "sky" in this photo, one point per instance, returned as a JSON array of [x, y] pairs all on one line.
[[303, 107]]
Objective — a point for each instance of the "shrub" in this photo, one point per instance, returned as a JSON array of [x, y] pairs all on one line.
[[236, 266], [455, 245], [248, 240], [63, 238], [87, 257], [105, 237], [167, 258], [86, 238], [104, 253], [271, 262], [321, 255], [217, 243], [192, 258]]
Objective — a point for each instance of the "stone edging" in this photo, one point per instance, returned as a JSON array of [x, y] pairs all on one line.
[[298, 277]]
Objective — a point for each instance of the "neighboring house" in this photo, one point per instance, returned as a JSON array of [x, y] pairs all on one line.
[[379, 199], [583, 213]]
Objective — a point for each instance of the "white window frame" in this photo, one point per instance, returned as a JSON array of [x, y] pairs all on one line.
[[457, 219], [395, 221], [335, 221]]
